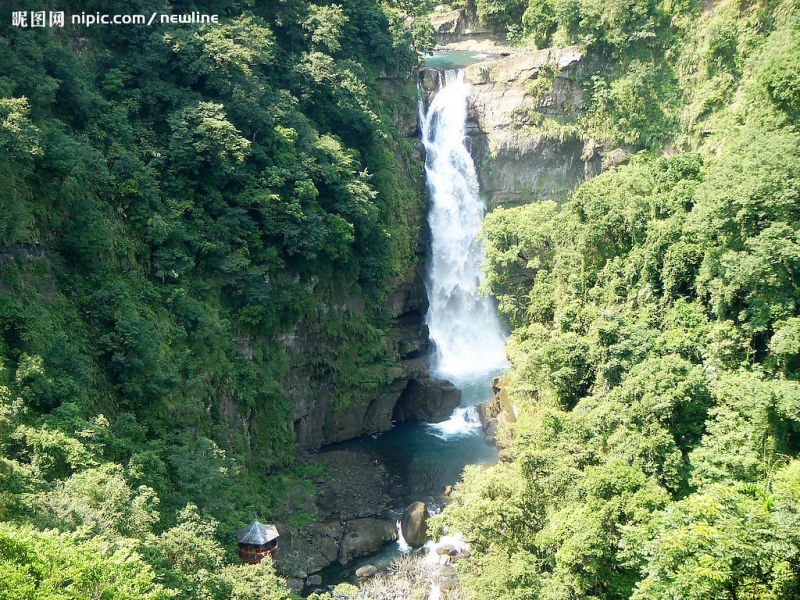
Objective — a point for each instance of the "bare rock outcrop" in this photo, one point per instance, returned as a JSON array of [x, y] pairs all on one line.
[[518, 160], [497, 412], [351, 503], [455, 27]]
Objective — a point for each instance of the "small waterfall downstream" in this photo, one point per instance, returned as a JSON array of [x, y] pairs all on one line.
[[463, 322]]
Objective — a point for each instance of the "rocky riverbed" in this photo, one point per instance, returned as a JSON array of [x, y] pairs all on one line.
[[352, 514], [364, 485]]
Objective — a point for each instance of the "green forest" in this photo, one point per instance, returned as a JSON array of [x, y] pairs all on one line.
[[169, 196], [655, 341], [176, 200]]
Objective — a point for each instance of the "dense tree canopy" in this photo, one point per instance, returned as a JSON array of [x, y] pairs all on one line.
[[171, 197], [176, 201], [654, 341]]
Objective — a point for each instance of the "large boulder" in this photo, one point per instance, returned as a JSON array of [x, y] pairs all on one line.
[[427, 399], [366, 571], [364, 536], [414, 524], [294, 584]]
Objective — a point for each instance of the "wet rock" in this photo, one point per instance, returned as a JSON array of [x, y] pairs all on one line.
[[296, 585], [309, 548], [408, 295], [366, 571], [412, 338], [414, 524], [314, 580], [430, 80], [427, 399], [364, 536], [446, 549]]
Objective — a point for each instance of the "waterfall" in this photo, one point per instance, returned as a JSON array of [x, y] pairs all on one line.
[[463, 322], [402, 544], [463, 421]]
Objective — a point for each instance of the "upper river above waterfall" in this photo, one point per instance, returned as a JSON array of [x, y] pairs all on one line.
[[454, 60]]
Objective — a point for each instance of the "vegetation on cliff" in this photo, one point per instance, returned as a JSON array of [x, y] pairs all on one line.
[[655, 339], [173, 200]]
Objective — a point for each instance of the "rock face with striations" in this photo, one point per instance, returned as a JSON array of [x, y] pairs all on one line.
[[455, 29], [497, 412], [449, 25], [517, 159]]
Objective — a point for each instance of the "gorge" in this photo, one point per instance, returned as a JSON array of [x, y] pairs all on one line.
[[518, 276], [427, 455]]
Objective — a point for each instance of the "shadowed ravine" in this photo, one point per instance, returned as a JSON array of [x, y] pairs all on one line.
[[423, 458]]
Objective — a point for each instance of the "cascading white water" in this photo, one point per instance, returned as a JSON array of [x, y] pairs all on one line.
[[463, 322], [402, 544], [463, 421]]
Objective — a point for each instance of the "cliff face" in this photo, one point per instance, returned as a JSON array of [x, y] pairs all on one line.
[[522, 133], [321, 414], [402, 390], [518, 110], [517, 160], [454, 29]]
